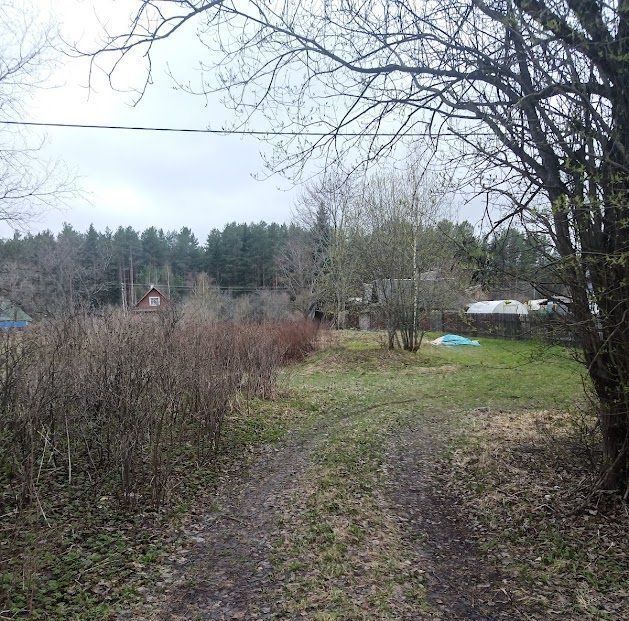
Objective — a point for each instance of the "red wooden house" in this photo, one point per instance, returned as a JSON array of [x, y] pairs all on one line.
[[152, 301]]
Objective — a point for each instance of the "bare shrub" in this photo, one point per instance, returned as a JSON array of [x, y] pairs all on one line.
[[265, 347], [210, 303], [297, 338], [120, 403], [261, 355]]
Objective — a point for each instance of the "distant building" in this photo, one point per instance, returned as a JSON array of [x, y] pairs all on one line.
[[152, 301], [433, 288], [12, 316], [386, 289], [554, 305]]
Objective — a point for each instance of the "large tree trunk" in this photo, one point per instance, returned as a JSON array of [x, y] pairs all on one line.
[[613, 416], [600, 294], [610, 372], [606, 348]]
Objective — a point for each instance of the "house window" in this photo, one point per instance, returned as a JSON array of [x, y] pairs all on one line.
[[154, 300]]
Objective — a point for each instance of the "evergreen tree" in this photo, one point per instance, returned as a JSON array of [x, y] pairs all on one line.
[[212, 257], [94, 268], [155, 253], [186, 254]]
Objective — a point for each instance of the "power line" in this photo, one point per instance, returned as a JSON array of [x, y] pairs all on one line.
[[246, 132]]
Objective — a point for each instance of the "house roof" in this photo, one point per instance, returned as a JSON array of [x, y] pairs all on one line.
[[556, 299], [153, 289], [11, 312], [430, 276]]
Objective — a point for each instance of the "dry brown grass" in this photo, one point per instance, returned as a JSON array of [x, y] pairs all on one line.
[[527, 489]]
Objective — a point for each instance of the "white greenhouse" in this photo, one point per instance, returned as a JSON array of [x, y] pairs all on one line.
[[498, 307]]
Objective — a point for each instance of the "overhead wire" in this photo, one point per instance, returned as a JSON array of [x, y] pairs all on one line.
[[244, 132]]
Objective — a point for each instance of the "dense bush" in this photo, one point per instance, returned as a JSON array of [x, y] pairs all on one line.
[[116, 403], [209, 302], [297, 339]]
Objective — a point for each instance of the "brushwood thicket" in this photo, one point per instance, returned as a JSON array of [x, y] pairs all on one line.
[[118, 404]]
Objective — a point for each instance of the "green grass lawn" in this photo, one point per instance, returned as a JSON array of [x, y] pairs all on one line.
[[500, 373], [365, 395]]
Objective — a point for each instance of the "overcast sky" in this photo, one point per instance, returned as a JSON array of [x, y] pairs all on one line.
[[142, 179], [138, 178]]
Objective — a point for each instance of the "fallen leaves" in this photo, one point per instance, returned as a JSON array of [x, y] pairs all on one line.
[[519, 475]]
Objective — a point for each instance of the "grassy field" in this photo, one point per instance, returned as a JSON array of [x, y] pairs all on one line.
[[504, 446], [500, 373], [366, 396]]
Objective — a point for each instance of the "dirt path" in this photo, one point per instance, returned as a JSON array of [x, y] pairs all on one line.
[[347, 518], [359, 514], [226, 571], [461, 584], [223, 570]]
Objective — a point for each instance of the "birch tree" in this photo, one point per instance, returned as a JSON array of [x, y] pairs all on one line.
[[406, 258]]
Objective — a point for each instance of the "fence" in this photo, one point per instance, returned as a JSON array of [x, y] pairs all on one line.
[[555, 329], [540, 326]]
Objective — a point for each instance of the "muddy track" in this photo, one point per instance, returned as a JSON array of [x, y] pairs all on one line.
[[225, 570], [462, 583]]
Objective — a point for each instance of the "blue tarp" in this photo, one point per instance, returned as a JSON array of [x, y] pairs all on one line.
[[8, 325], [452, 340]]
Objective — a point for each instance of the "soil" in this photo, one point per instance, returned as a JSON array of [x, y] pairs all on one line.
[[225, 570], [462, 583]]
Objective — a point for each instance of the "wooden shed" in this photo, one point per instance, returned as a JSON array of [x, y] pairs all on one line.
[[152, 301]]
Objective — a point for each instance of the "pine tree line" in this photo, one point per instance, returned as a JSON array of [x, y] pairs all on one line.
[[50, 273]]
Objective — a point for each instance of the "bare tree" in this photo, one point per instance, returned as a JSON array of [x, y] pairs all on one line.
[[535, 91], [54, 277], [329, 210], [27, 183], [298, 266], [381, 231], [404, 254]]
